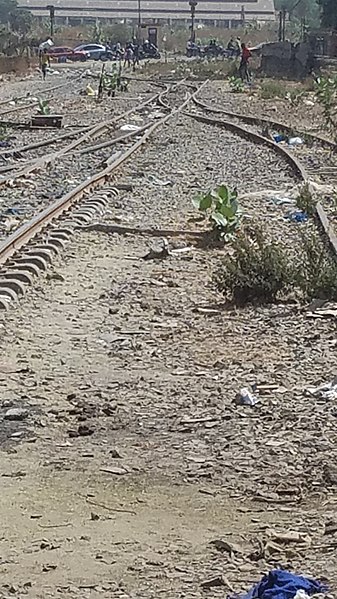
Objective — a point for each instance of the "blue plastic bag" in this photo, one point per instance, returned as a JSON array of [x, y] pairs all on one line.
[[281, 584]]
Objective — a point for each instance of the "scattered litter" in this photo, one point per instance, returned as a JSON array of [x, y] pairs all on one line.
[[298, 216], [295, 141], [278, 138], [156, 115], [325, 391], [301, 594], [114, 470], [282, 201], [281, 584], [157, 181], [245, 398], [129, 127], [89, 91], [158, 254], [13, 211]]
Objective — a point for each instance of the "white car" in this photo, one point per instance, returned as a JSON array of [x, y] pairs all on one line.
[[95, 51]]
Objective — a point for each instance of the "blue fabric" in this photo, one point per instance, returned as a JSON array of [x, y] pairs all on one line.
[[280, 584]]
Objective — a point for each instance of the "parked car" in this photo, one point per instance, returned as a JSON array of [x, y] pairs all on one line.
[[63, 54], [96, 51]]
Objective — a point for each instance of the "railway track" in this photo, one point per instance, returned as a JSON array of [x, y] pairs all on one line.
[[305, 164], [29, 248], [315, 158], [32, 245]]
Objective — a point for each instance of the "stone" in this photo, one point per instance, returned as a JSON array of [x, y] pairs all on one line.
[[16, 414]]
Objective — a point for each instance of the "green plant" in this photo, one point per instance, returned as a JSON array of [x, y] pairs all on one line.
[[316, 271], [110, 82], [221, 206], [305, 201], [44, 107], [295, 96], [236, 84], [272, 89], [257, 271], [3, 133], [326, 94]]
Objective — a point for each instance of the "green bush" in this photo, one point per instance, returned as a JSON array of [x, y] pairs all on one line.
[[257, 271], [316, 273], [305, 201]]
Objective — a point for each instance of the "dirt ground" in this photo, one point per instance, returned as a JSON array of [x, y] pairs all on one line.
[[132, 456]]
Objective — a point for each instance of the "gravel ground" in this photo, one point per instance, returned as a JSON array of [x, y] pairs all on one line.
[[132, 455], [33, 192]]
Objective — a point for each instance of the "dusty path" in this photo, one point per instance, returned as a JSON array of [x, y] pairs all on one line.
[[116, 347]]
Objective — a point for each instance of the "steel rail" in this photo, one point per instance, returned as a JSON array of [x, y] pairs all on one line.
[[90, 132], [278, 125], [257, 138], [33, 104], [322, 218], [28, 231]]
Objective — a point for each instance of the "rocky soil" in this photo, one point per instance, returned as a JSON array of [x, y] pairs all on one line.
[[127, 455]]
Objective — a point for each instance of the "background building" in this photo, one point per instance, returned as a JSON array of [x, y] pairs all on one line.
[[211, 12]]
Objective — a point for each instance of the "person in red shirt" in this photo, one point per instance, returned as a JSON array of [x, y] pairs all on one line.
[[243, 68]]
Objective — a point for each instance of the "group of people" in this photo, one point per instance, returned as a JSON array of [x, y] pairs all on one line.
[[133, 52]]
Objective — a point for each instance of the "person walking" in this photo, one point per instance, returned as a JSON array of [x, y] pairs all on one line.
[[44, 63]]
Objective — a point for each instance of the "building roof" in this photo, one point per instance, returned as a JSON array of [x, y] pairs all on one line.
[[210, 10]]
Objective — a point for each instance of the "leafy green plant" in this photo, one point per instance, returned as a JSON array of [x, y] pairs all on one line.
[[222, 207], [110, 82], [236, 85], [257, 271], [44, 107]]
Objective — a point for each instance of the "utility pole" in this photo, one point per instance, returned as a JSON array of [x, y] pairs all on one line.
[[243, 16], [139, 21], [51, 9], [282, 25], [193, 4]]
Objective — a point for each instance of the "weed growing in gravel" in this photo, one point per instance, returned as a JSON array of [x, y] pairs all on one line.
[[221, 206], [236, 85], [257, 271], [272, 89], [260, 270], [326, 94], [316, 274], [44, 107], [305, 201], [3, 133]]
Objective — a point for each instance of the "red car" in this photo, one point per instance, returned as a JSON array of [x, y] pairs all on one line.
[[63, 54]]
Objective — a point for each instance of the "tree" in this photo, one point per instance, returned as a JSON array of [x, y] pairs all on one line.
[[329, 13], [19, 19], [6, 8], [299, 9]]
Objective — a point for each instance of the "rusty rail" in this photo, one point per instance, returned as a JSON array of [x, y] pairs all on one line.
[[26, 232]]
